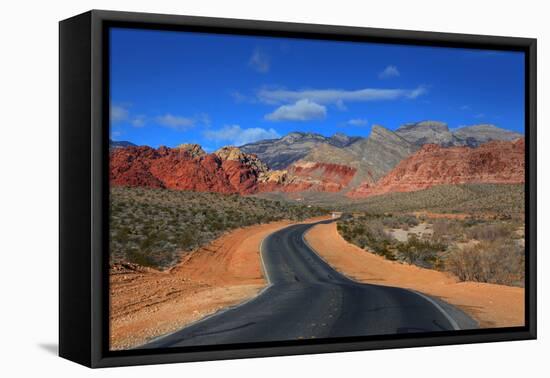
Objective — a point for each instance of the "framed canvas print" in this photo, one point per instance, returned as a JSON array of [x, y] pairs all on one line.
[[234, 188]]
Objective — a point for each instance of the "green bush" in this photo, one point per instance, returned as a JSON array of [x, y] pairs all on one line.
[[421, 252], [367, 233]]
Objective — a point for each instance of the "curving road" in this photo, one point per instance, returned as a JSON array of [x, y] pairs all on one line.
[[306, 298]]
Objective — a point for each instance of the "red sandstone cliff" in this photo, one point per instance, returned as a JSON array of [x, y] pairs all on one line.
[[228, 170], [495, 162], [308, 176], [186, 168]]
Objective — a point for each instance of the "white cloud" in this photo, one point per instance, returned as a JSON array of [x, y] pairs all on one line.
[[238, 97], [341, 106], [417, 92], [139, 121], [259, 61], [202, 118], [175, 122], [122, 113], [119, 113], [357, 122], [337, 96], [479, 115], [302, 110], [237, 136], [465, 107], [389, 72]]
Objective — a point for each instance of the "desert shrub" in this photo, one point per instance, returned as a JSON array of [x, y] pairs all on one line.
[[440, 251], [447, 230], [505, 200], [499, 261], [153, 227], [367, 233], [421, 252], [400, 221], [471, 221], [489, 232], [141, 258]]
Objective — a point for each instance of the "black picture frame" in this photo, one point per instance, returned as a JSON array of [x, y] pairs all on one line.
[[84, 187]]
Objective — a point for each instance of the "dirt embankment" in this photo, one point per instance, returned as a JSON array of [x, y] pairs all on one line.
[[147, 303], [491, 305]]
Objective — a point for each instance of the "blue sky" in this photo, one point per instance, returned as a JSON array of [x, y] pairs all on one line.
[[169, 88]]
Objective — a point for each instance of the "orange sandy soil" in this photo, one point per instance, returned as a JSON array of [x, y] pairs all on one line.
[[491, 305], [147, 303]]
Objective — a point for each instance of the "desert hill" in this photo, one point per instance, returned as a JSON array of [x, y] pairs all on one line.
[[280, 153], [228, 170], [120, 143], [496, 162], [311, 162], [435, 132]]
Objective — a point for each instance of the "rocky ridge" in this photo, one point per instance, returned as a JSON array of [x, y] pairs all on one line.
[[435, 132], [357, 166], [280, 153], [496, 162], [228, 170]]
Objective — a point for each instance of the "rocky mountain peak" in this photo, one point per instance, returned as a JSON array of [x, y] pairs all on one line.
[[193, 149], [496, 162], [379, 133], [341, 139], [424, 132], [435, 126], [230, 153], [120, 144], [299, 135], [436, 132], [234, 154], [475, 135]]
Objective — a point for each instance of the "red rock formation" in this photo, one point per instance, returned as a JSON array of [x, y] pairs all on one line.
[[241, 169], [129, 166], [493, 162], [182, 169], [227, 170], [326, 172], [321, 177], [307, 176]]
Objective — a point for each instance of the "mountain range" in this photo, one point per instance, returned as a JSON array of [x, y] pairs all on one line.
[[280, 153], [413, 157], [120, 144], [495, 162], [435, 132]]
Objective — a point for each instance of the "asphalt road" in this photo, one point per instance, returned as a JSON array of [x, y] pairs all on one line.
[[306, 298]]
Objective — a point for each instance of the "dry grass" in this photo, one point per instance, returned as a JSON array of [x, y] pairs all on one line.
[[502, 200], [151, 227], [473, 249], [500, 261]]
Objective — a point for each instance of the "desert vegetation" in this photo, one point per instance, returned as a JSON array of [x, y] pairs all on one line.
[[152, 227], [501, 200], [473, 249]]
